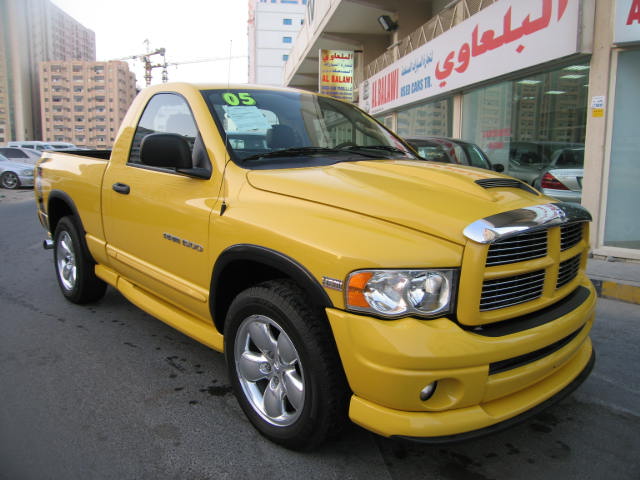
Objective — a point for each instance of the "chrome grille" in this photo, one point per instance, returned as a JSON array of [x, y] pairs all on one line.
[[570, 235], [504, 292], [518, 249], [568, 271]]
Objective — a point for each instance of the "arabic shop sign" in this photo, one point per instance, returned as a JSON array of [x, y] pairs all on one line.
[[505, 37], [627, 21], [336, 74]]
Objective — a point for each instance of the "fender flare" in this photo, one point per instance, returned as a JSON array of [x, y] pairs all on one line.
[[68, 201], [270, 258]]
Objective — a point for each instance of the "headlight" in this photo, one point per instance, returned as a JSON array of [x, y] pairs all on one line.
[[27, 173], [396, 293]]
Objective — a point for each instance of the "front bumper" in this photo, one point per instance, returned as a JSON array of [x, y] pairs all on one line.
[[481, 380]]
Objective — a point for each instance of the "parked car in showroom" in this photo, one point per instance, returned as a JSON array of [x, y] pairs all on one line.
[[562, 178], [452, 150], [14, 174], [528, 159], [19, 154]]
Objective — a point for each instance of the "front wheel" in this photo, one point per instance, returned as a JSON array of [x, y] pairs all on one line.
[[74, 265], [284, 366], [9, 180]]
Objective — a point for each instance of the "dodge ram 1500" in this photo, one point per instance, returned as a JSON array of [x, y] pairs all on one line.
[[340, 273]]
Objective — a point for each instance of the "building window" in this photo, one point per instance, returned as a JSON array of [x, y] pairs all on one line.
[[286, 21], [498, 118], [287, 40], [285, 57], [623, 194], [432, 119]]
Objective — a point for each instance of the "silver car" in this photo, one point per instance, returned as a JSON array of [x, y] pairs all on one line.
[[15, 174], [23, 155], [562, 179]]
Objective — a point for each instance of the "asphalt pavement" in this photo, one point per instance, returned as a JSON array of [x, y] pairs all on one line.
[[107, 392]]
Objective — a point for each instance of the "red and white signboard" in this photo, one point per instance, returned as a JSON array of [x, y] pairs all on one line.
[[505, 37], [627, 21]]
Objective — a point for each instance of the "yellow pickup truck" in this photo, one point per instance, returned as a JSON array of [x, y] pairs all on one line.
[[341, 274]]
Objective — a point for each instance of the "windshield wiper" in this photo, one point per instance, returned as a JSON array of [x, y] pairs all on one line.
[[387, 148], [295, 151]]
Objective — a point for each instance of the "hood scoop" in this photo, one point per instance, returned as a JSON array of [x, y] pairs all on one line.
[[505, 183]]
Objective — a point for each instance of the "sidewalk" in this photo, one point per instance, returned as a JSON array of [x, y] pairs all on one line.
[[617, 280]]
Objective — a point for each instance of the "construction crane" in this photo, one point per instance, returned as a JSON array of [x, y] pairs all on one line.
[[149, 65], [203, 60], [145, 58]]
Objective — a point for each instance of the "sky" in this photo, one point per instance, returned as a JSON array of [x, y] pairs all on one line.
[[187, 29]]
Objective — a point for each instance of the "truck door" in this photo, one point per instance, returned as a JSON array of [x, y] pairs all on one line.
[[156, 220]]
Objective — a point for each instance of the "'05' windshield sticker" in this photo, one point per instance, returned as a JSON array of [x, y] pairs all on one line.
[[240, 98]]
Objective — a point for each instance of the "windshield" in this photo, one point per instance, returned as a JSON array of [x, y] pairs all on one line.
[[568, 158], [278, 129], [475, 156]]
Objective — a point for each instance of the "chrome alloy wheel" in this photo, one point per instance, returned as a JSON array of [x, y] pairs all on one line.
[[269, 370], [10, 180], [66, 261]]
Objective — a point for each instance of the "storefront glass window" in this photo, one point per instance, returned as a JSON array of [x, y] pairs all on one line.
[[525, 124], [386, 120], [426, 120], [623, 195]]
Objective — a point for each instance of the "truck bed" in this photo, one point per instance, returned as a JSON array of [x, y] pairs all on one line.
[[99, 154]]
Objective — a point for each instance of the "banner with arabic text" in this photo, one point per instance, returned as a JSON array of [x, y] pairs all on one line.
[[336, 74], [627, 21], [505, 37]]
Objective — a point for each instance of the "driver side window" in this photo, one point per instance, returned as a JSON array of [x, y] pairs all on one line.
[[167, 113]]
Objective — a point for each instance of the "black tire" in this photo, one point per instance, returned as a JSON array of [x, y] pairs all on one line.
[[74, 264], [279, 308], [9, 180]]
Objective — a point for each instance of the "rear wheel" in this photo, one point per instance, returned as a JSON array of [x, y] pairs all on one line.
[[74, 265], [9, 180], [284, 366]]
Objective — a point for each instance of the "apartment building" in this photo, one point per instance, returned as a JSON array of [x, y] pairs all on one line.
[[85, 102], [5, 108], [32, 31], [273, 26]]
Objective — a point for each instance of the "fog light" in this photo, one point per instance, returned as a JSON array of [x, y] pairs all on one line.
[[427, 392]]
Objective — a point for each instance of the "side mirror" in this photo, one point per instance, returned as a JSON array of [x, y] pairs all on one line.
[[498, 167], [165, 150]]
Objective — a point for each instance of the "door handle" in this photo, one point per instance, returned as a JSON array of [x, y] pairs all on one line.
[[121, 188]]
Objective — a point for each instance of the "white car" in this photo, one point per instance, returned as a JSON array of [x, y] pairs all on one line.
[[15, 174]]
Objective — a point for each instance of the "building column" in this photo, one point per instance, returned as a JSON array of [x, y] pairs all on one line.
[[595, 159]]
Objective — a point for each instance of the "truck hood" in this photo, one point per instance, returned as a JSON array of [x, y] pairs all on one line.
[[437, 199]]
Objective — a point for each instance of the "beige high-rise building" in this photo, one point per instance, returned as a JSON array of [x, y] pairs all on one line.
[[85, 102], [5, 110], [32, 31]]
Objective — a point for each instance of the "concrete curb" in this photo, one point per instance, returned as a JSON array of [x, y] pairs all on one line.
[[617, 291]]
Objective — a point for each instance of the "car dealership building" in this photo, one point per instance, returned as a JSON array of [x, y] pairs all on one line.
[[519, 79]]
